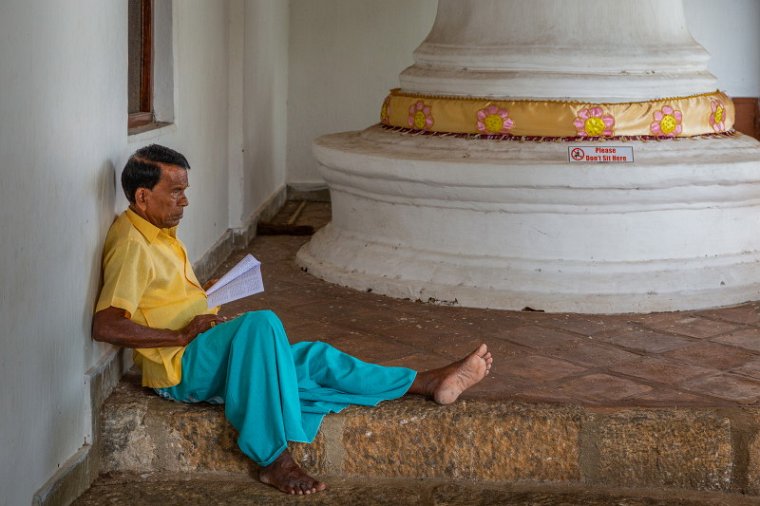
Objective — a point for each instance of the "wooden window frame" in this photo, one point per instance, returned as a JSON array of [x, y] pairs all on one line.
[[145, 116]]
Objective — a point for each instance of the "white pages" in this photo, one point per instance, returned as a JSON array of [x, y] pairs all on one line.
[[241, 281]]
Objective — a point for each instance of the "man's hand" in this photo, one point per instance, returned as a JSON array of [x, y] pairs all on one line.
[[199, 325]]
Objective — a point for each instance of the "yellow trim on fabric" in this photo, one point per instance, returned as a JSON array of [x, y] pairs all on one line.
[[700, 114]]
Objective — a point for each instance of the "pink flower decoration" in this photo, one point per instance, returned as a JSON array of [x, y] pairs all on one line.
[[494, 120], [593, 122], [667, 122], [718, 116], [420, 116]]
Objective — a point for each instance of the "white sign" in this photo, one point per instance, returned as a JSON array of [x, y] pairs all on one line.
[[600, 154]]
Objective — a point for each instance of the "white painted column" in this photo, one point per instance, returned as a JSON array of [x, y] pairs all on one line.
[[596, 50], [510, 224]]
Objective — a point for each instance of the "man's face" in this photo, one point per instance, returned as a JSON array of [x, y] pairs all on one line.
[[164, 205]]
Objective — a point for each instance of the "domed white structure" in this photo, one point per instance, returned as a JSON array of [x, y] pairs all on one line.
[[471, 192]]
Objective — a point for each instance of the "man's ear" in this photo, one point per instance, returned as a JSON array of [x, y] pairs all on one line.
[[141, 195]]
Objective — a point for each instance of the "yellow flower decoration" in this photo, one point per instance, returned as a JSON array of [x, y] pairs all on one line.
[[420, 116], [493, 120], [667, 122]]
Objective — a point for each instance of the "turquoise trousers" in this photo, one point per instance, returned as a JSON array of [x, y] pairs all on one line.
[[275, 392]]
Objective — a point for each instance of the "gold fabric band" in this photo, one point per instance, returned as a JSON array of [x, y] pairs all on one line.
[[707, 113]]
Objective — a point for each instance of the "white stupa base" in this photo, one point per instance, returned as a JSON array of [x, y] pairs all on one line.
[[511, 225]]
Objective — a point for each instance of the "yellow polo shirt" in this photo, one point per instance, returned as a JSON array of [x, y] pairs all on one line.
[[146, 273]]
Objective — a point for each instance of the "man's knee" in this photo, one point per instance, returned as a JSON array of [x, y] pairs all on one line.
[[263, 319]]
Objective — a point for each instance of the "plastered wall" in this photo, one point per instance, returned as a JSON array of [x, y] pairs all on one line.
[[63, 141], [730, 31], [344, 57], [265, 102], [200, 129], [63, 109]]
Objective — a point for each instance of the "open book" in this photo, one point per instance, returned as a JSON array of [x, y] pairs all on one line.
[[241, 281]]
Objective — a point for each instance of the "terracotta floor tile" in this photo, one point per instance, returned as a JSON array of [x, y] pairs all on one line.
[[371, 319], [657, 318], [747, 338], [747, 314], [585, 325], [371, 349], [547, 394], [751, 369], [418, 361], [600, 388], [423, 332], [539, 369], [487, 326], [332, 310], [711, 355], [318, 331], [661, 370], [546, 339], [637, 338], [692, 326], [593, 354], [726, 386], [662, 397]]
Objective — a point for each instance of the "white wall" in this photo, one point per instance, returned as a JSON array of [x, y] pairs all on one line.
[[730, 31], [257, 106], [200, 131], [63, 142], [346, 54], [63, 108], [265, 101], [344, 57]]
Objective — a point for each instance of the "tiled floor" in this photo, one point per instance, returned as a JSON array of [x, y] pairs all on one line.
[[699, 358]]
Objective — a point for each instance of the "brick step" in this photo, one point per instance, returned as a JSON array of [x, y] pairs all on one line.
[[697, 449], [226, 489]]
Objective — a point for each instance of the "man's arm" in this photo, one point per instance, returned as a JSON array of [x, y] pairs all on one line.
[[111, 325]]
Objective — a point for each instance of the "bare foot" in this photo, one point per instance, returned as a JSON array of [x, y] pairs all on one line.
[[285, 475], [446, 384]]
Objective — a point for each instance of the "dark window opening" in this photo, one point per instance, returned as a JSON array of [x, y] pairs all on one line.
[[140, 63]]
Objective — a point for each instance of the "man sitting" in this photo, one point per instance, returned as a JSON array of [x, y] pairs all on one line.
[[273, 392]]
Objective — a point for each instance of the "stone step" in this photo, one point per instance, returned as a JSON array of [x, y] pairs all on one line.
[[231, 489], [698, 449]]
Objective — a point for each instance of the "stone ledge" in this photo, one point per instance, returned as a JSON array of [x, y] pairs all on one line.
[[696, 449], [219, 488]]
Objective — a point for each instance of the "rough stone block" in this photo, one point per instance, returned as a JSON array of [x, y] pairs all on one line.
[[470, 440], [751, 435], [663, 448], [143, 433], [196, 439], [126, 443]]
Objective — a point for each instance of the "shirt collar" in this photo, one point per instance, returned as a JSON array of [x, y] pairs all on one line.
[[146, 228]]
